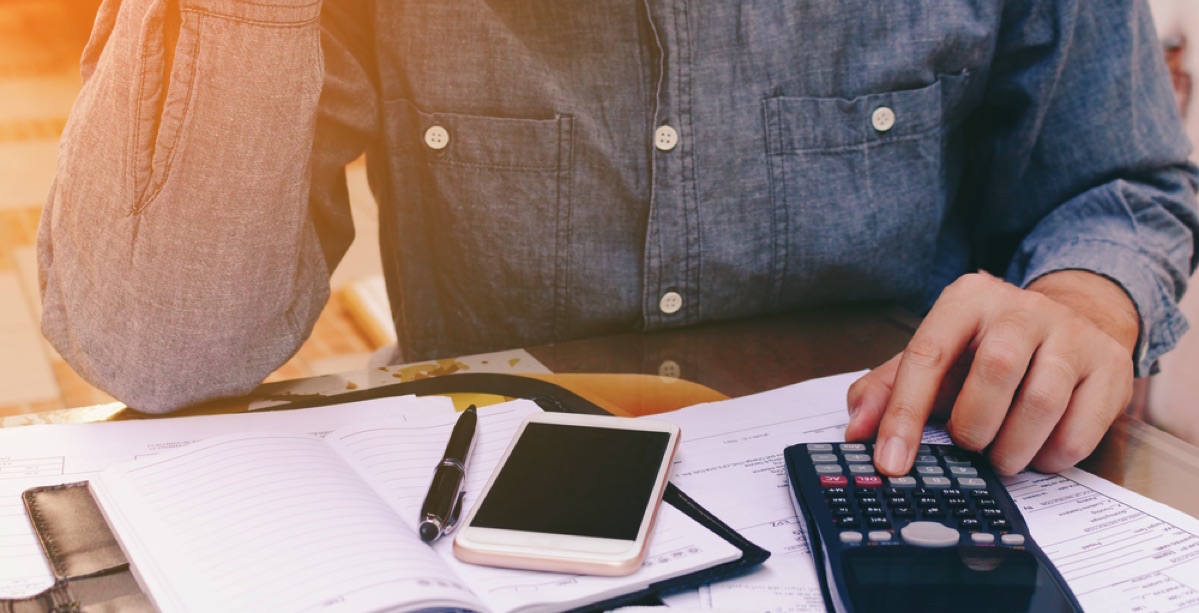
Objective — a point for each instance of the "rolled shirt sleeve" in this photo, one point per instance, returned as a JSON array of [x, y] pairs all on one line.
[[1081, 160], [185, 248]]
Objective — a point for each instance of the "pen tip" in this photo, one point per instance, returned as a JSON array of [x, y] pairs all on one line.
[[429, 532]]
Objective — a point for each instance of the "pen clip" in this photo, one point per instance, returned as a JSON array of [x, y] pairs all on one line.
[[452, 520]]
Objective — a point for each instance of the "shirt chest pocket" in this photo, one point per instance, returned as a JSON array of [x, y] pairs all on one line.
[[483, 214], [859, 188]]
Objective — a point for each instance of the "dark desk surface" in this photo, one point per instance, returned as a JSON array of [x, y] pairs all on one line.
[[743, 357]]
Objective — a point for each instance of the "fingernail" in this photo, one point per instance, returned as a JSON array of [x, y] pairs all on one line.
[[849, 424], [854, 409], [892, 455]]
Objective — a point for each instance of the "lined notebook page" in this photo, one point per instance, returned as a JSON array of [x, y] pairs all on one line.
[[399, 458], [679, 545], [269, 523], [399, 461]]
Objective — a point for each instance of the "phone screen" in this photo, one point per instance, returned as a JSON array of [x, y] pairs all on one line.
[[575, 480]]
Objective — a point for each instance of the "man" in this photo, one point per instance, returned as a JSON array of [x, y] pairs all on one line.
[[552, 170]]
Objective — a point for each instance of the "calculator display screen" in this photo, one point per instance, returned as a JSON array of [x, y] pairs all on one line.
[[576, 480], [931, 580]]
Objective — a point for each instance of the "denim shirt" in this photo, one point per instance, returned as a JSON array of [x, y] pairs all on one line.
[[555, 170]]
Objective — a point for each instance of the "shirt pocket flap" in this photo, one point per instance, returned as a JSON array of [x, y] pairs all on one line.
[[491, 142], [801, 124]]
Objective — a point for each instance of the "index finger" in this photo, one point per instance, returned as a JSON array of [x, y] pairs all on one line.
[[928, 358]]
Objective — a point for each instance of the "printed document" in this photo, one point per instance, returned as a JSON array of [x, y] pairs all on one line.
[[1118, 551]]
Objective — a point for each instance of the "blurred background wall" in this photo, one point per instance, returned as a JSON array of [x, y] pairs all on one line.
[[1174, 393]]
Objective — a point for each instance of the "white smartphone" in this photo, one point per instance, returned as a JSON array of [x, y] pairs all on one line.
[[573, 493]]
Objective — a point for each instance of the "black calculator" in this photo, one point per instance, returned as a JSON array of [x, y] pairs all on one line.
[[944, 538]]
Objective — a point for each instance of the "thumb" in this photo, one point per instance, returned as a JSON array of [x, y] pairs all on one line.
[[868, 398]]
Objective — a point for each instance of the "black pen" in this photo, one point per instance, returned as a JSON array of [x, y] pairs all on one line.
[[443, 503]]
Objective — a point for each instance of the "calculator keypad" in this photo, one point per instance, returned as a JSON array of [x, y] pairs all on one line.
[[940, 501]]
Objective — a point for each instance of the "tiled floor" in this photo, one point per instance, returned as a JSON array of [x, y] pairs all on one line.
[[40, 42]]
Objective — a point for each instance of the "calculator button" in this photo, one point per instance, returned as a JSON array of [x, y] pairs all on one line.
[[903, 512], [847, 522], [963, 512], [929, 534], [904, 482], [849, 536], [924, 450], [838, 502], [981, 538], [933, 512], [927, 459], [897, 501], [867, 481], [853, 447], [833, 481], [861, 469], [956, 502], [878, 523], [823, 458], [857, 457], [834, 491], [879, 536], [874, 512], [920, 491], [819, 447], [1000, 524], [986, 503], [951, 493], [929, 470], [841, 512], [963, 471], [980, 493], [828, 469], [1012, 540], [991, 513], [935, 482], [894, 491], [926, 501], [969, 523], [953, 460]]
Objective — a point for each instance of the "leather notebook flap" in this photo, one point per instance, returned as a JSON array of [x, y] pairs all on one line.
[[72, 531]]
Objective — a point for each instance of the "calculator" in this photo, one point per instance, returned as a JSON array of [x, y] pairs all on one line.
[[946, 537]]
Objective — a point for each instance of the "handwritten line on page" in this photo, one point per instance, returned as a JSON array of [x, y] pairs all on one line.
[[1118, 550]]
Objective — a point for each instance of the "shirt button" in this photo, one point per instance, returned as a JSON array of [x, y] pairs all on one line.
[[670, 303], [670, 369], [436, 137], [665, 138], [883, 118]]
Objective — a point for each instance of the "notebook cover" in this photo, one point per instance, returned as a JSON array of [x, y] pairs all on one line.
[[79, 543]]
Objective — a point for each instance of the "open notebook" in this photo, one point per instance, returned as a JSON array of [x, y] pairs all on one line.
[[275, 522]]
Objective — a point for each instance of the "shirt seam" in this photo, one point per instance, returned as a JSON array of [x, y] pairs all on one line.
[[255, 22]]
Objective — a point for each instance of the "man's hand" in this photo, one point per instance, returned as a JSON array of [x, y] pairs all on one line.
[[1031, 376]]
